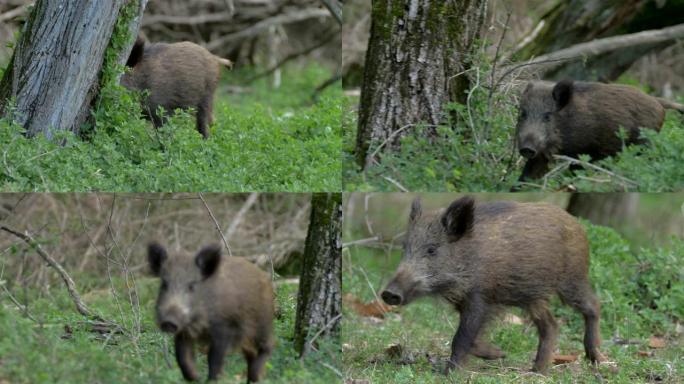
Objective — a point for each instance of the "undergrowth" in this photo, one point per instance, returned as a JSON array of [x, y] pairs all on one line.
[[475, 152]]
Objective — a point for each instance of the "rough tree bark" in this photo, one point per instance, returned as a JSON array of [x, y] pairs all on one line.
[[320, 283], [415, 52], [53, 75], [580, 21], [613, 209]]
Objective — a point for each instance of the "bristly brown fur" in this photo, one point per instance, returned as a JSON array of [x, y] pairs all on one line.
[[504, 254]]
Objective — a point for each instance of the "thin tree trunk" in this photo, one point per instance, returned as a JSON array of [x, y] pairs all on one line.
[[580, 21], [53, 75], [613, 209], [417, 52], [320, 283]]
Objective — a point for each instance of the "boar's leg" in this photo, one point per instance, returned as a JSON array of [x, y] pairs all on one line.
[[534, 169], [548, 333], [581, 297], [204, 117], [185, 356], [223, 338], [473, 315], [255, 363]]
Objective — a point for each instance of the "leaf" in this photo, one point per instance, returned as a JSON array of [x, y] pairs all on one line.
[[564, 359], [656, 342], [374, 308]]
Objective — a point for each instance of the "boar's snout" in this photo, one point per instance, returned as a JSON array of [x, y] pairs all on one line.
[[391, 297], [168, 326], [528, 153]]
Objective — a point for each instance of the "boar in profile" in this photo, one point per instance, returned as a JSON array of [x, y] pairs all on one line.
[[573, 118], [225, 302], [480, 257], [179, 75]]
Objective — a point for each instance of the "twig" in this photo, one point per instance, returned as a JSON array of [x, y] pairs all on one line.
[[323, 329], [218, 227], [71, 287], [13, 13], [365, 241], [241, 213], [596, 167]]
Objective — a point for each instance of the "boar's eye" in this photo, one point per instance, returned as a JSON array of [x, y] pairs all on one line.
[[547, 116], [523, 114], [164, 285], [191, 286], [431, 250]]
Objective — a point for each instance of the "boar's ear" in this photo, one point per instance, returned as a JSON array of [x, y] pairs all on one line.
[[458, 218], [562, 93], [136, 52], [416, 210], [208, 260], [156, 255]]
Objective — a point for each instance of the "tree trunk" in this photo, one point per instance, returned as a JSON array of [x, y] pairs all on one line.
[[415, 52], [320, 283], [53, 75], [579, 21], [612, 209]]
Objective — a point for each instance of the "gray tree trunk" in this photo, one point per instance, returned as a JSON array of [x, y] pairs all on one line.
[[320, 283], [578, 21], [611, 209], [54, 71], [415, 51]]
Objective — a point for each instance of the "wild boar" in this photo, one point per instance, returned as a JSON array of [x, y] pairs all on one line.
[[573, 118], [179, 75], [480, 257], [225, 302]]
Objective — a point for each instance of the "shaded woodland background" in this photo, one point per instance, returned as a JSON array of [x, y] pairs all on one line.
[[643, 218], [96, 232], [249, 32], [661, 70]]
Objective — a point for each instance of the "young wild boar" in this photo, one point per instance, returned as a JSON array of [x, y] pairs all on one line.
[[225, 302], [573, 118], [482, 256], [180, 75]]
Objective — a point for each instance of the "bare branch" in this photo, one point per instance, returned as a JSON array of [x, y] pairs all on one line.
[[263, 25], [241, 213], [71, 286], [335, 8], [218, 227]]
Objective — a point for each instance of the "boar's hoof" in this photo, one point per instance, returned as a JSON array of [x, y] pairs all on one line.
[[391, 298]]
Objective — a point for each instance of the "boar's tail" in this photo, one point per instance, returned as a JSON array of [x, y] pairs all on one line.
[[667, 104], [225, 62], [136, 52]]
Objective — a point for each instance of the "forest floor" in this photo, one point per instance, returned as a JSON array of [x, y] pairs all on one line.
[[263, 138], [411, 344], [57, 347]]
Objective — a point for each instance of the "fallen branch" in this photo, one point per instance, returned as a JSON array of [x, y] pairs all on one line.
[[263, 25], [188, 20], [335, 8], [550, 61], [71, 286]]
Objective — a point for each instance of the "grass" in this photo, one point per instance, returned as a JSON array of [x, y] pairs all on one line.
[[641, 292], [265, 139], [38, 352]]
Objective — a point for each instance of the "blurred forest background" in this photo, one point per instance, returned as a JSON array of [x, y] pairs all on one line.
[[642, 218], [661, 69], [469, 146], [100, 240], [249, 32]]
